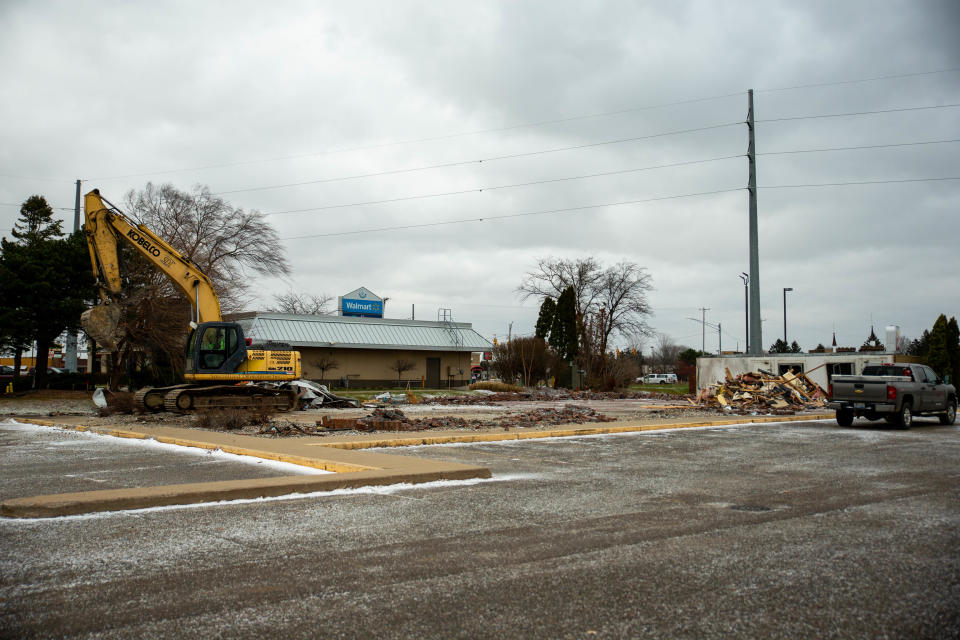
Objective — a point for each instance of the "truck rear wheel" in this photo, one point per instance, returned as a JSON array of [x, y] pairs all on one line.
[[950, 415], [844, 417], [905, 416]]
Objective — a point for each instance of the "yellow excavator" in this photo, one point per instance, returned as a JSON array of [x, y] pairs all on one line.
[[223, 368]]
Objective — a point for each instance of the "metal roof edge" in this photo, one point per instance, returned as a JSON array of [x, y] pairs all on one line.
[[380, 347], [293, 317]]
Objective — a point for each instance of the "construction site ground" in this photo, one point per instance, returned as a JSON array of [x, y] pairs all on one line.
[[296, 438], [68, 406], [795, 529]]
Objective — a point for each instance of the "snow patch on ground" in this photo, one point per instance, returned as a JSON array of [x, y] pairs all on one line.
[[147, 443], [384, 490]]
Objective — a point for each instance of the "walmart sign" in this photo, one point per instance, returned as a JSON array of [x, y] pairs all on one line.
[[361, 302]]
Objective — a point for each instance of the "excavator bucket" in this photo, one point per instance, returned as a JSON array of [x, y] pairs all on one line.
[[101, 323]]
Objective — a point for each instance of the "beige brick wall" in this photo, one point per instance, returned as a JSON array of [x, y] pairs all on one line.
[[371, 367]]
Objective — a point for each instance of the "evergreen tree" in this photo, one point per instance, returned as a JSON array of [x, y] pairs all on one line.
[[36, 223], [563, 334], [938, 356], [16, 334], [920, 346], [46, 279], [548, 309], [779, 347], [795, 348], [953, 349], [689, 356]]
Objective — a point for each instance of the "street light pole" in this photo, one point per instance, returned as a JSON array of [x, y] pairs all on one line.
[[785, 289], [746, 310]]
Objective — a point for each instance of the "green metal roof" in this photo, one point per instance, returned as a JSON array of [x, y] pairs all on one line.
[[363, 333]]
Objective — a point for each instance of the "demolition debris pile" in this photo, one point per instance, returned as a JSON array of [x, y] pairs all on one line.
[[763, 392], [544, 394], [395, 420]]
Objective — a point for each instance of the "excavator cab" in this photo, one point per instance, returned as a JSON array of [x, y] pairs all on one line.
[[215, 347]]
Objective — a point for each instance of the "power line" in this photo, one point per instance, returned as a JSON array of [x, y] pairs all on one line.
[[862, 113], [505, 186], [509, 215], [868, 146], [576, 147], [595, 175], [515, 126], [608, 204], [511, 156], [875, 78], [435, 138], [861, 182]]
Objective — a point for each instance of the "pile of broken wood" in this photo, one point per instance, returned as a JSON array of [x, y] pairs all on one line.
[[763, 392]]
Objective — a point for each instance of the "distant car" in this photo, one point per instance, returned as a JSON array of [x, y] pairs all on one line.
[[5, 370], [50, 370], [658, 378]]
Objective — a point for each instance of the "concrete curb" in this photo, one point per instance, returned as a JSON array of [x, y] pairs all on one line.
[[416, 440], [65, 504], [353, 469]]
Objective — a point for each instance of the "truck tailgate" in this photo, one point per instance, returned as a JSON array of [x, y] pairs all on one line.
[[863, 388]]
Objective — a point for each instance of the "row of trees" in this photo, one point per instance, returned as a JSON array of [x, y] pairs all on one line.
[[45, 280], [939, 347], [584, 306]]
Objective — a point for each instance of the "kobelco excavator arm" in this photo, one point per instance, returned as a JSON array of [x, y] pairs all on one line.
[[218, 355], [104, 227]]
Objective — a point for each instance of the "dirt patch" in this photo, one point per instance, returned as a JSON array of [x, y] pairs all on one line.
[[527, 411], [47, 402]]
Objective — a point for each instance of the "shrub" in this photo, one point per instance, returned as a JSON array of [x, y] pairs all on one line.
[[499, 387]]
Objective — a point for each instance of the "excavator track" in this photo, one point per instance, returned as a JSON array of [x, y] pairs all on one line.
[[190, 399], [151, 399]]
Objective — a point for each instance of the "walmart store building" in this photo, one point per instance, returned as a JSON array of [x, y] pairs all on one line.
[[359, 349]]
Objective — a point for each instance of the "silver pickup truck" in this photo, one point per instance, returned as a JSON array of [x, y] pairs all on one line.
[[894, 392]]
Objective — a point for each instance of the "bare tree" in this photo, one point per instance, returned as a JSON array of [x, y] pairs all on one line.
[[302, 303], [621, 290], [526, 359], [401, 366], [609, 301], [324, 364], [552, 275], [666, 353], [225, 242]]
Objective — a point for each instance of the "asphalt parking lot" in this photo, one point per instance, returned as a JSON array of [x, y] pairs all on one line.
[[787, 530]]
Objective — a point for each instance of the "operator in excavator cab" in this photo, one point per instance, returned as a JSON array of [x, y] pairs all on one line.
[[213, 348]]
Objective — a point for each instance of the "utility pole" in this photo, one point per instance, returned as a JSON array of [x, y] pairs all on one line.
[[785, 289], [71, 350], [703, 328], [756, 339], [746, 312]]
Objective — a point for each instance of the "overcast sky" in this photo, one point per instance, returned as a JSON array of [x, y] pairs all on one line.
[[243, 97]]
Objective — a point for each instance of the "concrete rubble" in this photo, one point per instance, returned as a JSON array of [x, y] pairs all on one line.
[[381, 419], [762, 392], [544, 394], [314, 396]]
